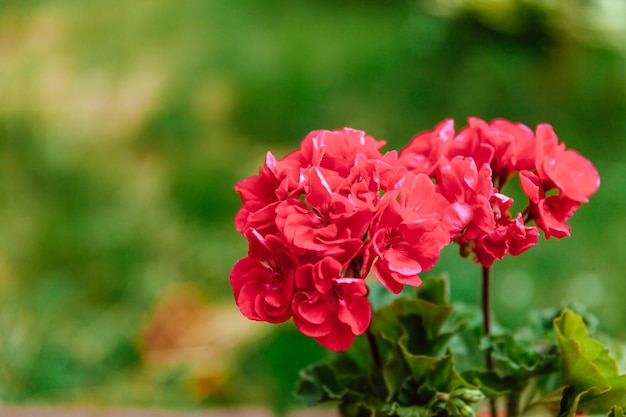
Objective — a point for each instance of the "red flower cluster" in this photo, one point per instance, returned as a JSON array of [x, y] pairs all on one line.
[[321, 218], [472, 166]]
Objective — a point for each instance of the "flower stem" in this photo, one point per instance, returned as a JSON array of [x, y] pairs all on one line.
[[513, 403], [371, 340], [486, 303]]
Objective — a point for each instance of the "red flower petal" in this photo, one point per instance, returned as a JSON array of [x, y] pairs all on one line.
[[340, 337]]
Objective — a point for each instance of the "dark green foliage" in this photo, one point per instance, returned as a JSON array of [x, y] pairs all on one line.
[[556, 375]]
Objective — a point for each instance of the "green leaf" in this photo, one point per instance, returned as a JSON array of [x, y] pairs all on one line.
[[421, 319], [467, 335], [617, 412], [490, 383], [614, 396], [410, 328], [439, 373], [395, 369], [332, 379], [521, 360], [434, 289], [415, 392], [543, 320], [548, 406], [411, 411], [585, 362], [587, 368], [570, 406], [564, 402], [317, 384], [356, 406]]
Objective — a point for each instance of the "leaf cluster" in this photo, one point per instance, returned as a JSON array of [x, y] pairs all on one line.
[[424, 357]]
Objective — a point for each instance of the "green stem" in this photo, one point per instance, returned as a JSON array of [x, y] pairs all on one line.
[[371, 340], [513, 403], [486, 303]]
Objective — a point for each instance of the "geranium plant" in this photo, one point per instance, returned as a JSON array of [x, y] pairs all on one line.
[[336, 223]]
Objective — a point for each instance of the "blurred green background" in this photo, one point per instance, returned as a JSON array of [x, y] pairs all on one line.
[[125, 124]]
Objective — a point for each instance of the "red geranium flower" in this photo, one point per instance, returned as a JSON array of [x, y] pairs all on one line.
[[506, 146], [572, 174], [261, 194], [263, 282], [326, 223], [509, 236], [338, 150], [470, 189], [329, 307], [406, 235], [428, 150], [550, 213]]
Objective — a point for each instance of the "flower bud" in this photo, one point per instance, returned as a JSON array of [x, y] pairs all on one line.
[[472, 396], [469, 396], [455, 406], [467, 411]]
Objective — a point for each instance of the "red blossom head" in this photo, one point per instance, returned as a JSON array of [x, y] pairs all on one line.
[[561, 180], [319, 220]]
